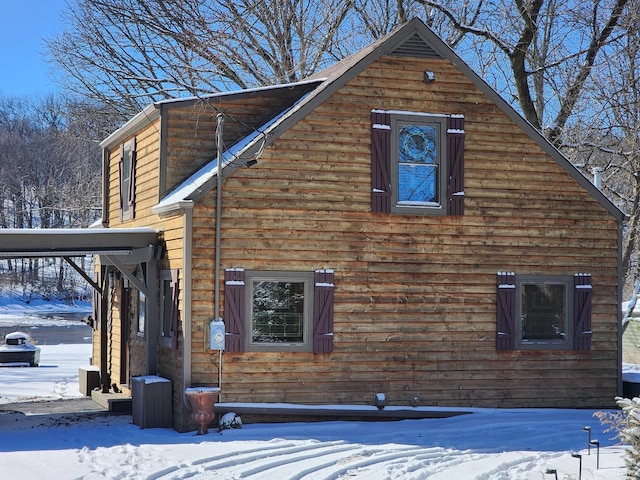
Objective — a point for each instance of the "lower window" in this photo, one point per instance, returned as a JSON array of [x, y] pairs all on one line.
[[544, 309], [280, 307]]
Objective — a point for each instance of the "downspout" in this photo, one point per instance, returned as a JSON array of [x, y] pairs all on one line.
[[104, 217], [216, 315], [187, 294], [619, 305]]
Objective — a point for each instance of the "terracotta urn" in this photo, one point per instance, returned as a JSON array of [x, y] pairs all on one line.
[[200, 401]]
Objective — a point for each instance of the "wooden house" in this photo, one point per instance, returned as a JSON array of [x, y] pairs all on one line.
[[403, 231]]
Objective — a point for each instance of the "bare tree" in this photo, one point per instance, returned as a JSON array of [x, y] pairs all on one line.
[[607, 135], [49, 176], [549, 46], [123, 54]]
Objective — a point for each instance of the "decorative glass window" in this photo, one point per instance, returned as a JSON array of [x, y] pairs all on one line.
[[418, 165], [280, 308]]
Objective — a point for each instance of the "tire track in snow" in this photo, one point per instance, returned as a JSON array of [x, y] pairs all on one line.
[[321, 461], [225, 463]]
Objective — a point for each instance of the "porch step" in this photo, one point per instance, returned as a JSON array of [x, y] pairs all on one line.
[[114, 402]]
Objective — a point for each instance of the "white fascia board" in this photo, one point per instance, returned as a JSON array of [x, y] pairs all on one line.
[[149, 114]]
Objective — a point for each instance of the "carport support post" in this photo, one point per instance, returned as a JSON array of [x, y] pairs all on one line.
[[105, 379], [151, 317]]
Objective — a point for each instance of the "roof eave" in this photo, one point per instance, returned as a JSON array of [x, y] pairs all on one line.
[[148, 115]]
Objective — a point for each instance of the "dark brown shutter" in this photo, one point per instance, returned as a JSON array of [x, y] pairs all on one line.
[[323, 311], [132, 177], [506, 311], [120, 178], [234, 288], [455, 165], [175, 307], [582, 311], [380, 162]]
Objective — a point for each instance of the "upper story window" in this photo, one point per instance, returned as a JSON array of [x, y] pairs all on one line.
[[126, 169], [417, 163], [417, 154]]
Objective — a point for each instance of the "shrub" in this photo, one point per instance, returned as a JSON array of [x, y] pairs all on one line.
[[626, 425]]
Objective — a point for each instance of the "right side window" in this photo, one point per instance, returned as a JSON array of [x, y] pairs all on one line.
[[544, 310]]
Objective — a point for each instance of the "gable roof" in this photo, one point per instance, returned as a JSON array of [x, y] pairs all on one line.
[[413, 39]]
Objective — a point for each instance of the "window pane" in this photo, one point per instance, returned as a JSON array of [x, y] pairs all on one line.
[[418, 164], [417, 183], [543, 312], [278, 311], [417, 144]]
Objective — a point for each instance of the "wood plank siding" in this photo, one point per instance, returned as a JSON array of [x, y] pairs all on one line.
[[172, 237], [415, 296]]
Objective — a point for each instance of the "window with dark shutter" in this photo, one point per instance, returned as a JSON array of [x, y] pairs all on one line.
[[234, 309], [417, 163], [582, 311], [323, 311], [132, 178], [380, 162], [506, 311], [544, 311], [169, 308], [121, 180], [126, 171]]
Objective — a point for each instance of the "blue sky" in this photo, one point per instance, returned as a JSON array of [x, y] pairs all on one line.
[[24, 24]]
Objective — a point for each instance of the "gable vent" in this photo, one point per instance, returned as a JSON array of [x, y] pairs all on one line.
[[415, 47]]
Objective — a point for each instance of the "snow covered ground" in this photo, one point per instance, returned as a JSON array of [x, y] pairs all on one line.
[[488, 444]]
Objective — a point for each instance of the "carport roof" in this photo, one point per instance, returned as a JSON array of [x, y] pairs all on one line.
[[74, 242]]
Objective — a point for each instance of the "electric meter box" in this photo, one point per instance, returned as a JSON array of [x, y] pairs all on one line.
[[216, 335]]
